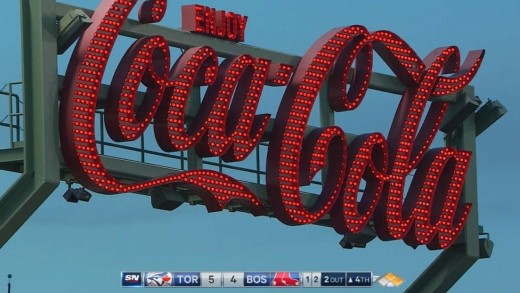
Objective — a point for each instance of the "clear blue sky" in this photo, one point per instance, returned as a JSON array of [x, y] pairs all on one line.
[[83, 247]]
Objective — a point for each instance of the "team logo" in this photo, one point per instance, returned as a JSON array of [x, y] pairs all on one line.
[[158, 279], [286, 279]]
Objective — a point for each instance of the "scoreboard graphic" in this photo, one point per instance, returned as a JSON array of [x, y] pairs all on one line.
[[258, 279]]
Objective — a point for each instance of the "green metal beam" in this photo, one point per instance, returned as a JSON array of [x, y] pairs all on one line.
[[444, 272], [11, 155], [41, 165], [182, 39], [133, 171]]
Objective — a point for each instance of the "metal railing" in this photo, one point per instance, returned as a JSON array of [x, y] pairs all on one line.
[[182, 156], [13, 120], [14, 115]]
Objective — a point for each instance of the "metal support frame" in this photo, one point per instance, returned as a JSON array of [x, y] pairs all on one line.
[[453, 262], [14, 117], [42, 163], [70, 27], [185, 40], [487, 115]]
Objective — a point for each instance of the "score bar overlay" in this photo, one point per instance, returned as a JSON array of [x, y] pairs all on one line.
[[250, 279]]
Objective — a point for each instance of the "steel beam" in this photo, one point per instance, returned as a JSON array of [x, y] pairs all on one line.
[[41, 165], [12, 160], [133, 171], [327, 117], [11, 155], [184, 40]]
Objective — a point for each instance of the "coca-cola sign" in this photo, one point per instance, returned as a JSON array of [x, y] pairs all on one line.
[[227, 125]]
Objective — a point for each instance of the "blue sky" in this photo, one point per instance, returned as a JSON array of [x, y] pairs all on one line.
[[83, 247]]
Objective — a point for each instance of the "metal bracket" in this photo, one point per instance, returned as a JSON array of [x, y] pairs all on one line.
[[488, 114], [70, 28], [465, 105]]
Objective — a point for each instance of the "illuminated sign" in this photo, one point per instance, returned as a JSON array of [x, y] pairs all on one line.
[[227, 125], [217, 23]]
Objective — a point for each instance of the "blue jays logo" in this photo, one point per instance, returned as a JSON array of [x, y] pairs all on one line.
[[158, 279]]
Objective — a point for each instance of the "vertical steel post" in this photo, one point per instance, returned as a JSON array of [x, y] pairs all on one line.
[[102, 133], [11, 144], [257, 153], [18, 114], [455, 261], [142, 149], [194, 160], [40, 89], [326, 115]]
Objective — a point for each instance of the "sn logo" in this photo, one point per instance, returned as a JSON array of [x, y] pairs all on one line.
[[132, 278]]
